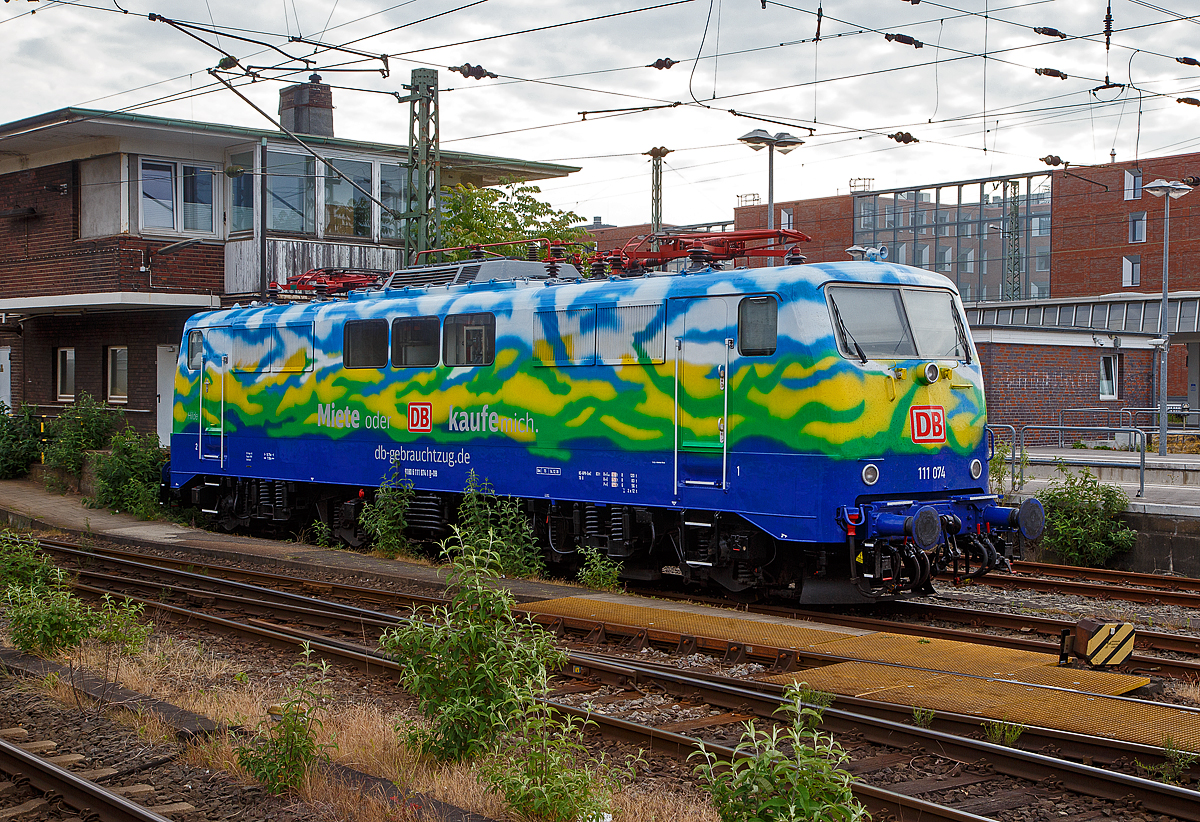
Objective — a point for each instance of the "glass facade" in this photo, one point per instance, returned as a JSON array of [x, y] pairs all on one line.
[[991, 237]]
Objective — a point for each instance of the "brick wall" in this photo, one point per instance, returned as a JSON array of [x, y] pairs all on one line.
[[1090, 229], [90, 335], [43, 255], [1028, 384]]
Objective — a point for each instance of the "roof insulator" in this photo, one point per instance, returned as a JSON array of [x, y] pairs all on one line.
[[1050, 72], [474, 72], [662, 63], [906, 39], [1188, 61], [1049, 32]]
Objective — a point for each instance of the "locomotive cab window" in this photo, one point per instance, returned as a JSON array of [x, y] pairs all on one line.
[[897, 323], [415, 341], [195, 350], [365, 344], [470, 339], [758, 326]]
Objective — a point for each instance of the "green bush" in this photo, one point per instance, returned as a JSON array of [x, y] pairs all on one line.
[[482, 512], [1083, 524], [783, 775], [384, 518], [599, 572], [119, 625], [22, 562], [472, 664], [545, 772], [84, 425], [285, 748], [127, 479], [20, 444], [47, 619]]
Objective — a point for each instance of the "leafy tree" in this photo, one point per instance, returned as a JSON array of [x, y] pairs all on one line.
[[510, 212]]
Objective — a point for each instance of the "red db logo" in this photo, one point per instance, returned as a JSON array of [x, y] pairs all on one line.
[[420, 417], [928, 423]]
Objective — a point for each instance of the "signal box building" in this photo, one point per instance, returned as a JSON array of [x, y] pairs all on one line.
[[115, 227]]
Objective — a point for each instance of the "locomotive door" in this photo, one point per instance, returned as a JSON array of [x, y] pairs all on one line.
[[703, 341], [213, 367]]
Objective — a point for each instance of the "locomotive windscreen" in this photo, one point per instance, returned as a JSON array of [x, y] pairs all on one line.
[[898, 323]]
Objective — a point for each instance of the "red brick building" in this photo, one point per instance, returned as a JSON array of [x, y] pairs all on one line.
[[115, 227]]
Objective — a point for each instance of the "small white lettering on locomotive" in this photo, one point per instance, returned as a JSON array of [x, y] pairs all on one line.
[[463, 420]]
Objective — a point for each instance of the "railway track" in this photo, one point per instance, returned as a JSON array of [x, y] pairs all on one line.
[[59, 785], [1098, 583], [879, 725]]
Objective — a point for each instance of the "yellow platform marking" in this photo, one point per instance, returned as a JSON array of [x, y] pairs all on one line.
[[730, 629], [1026, 704]]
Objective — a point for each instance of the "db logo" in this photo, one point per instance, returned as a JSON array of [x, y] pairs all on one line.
[[928, 423], [420, 417]]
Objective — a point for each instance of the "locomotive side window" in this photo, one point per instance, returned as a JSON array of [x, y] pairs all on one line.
[[565, 337], [415, 341], [631, 334], [871, 322], [758, 326], [365, 344], [470, 339], [195, 350]]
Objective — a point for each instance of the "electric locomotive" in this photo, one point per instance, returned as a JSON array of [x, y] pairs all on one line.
[[810, 431]]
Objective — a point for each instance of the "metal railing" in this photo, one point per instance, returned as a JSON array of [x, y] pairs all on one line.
[[1134, 432], [1177, 410], [992, 449], [1108, 412]]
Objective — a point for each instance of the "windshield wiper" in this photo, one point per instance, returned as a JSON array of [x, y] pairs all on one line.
[[846, 335]]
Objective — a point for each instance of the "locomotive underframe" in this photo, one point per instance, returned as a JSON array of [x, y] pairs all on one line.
[[700, 547]]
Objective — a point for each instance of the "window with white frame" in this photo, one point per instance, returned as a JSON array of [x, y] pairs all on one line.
[[1137, 227], [945, 254], [966, 261], [1041, 262], [291, 193], [241, 194], [347, 208], [1133, 184], [786, 221], [393, 193], [64, 376], [118, 373], [1109, 374], [1131, 270], [1041, 226], [176, 197]]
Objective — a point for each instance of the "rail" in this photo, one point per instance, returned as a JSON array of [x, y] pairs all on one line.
[[1135, 432], [1108, 412], [1013, 455]]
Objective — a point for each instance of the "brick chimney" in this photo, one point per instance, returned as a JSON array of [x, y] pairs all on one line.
[[307, 108]]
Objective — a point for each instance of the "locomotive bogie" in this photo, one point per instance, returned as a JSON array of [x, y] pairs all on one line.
[[814, 431]]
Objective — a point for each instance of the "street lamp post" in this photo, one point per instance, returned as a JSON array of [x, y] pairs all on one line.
[[760, 139], [1174, 190]]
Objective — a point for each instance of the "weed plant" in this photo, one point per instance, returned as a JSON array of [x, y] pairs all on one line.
[[384, 518], [471, 664], [20, 444], [127, 479], [784, 774], [285, 749], [84, 425], [1083, 524], [545, 772], [923, 717], [599, 572], [22, 562], [1175, 765], [1002, 732], [45, 619], [1000, 480], [482, 512]]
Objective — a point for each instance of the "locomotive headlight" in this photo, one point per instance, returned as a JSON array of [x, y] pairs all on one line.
[[870, 474], [929, 373], [976, 469]]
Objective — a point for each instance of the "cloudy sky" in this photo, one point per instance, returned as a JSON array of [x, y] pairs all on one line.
[[970, 94]]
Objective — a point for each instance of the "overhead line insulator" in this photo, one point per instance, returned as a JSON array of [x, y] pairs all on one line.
[[474, 72], [1050, 72], [1188, 61], [1191, 101], [906, 39], [662, 63], [1050, 32], [903, 137]]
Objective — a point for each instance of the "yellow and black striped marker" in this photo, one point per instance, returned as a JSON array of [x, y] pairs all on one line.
[[1103, 643]]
